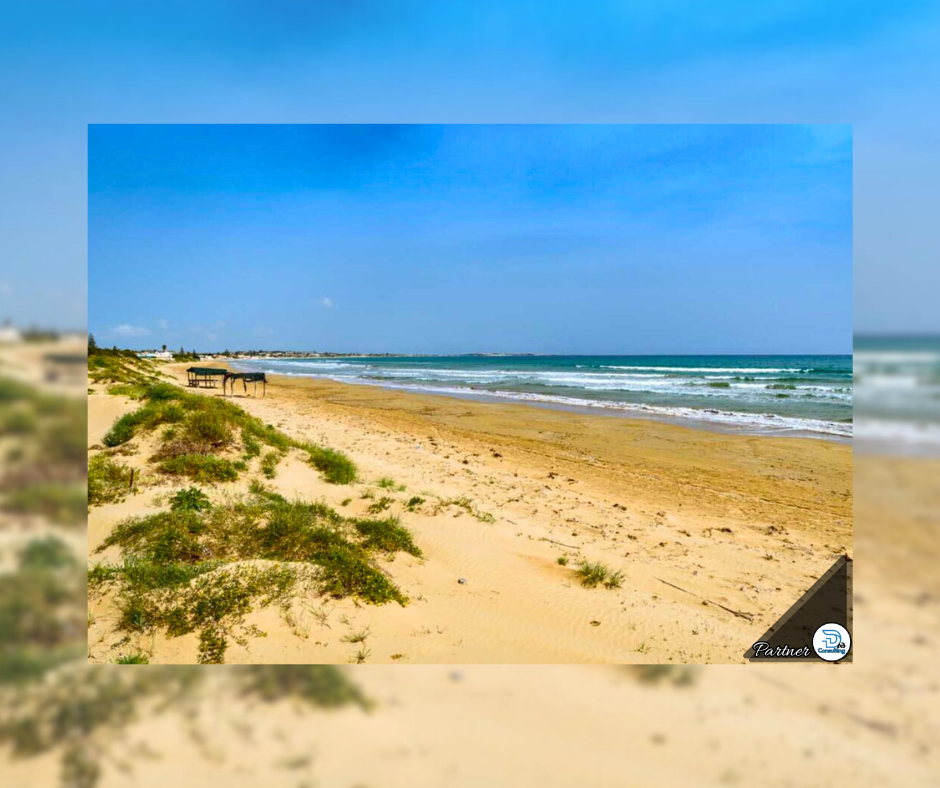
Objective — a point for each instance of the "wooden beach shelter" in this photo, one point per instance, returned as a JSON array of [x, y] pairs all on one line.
[[246, 378], [205, 377]]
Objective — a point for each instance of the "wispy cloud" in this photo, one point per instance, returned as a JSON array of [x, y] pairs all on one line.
[[327, 302], [127, 330]]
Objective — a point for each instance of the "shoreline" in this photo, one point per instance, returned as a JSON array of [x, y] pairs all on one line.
[[712, 420], [602, 441]]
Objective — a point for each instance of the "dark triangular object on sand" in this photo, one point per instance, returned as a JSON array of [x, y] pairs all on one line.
[[828, 601]]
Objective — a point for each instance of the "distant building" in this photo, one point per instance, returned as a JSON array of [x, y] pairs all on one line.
[[9, 334], [160, 355]]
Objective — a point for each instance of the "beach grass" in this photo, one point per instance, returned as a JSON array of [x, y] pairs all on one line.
[[380, 505], [137, 658], [190, 499], [130, 390], [463, 502], [128, 374], [269, 463], [594, 573], [203, 427], [414, 503], [200, 468], [202, 568], [108, 481], [387, 535]]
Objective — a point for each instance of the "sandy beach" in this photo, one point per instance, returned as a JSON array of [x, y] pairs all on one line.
[[700, 523]]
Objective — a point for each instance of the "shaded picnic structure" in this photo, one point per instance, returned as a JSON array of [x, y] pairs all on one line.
[[205, 377], [208, 377], [246, 378]]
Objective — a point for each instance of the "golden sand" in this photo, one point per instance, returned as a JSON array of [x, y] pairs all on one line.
[[716, 534]]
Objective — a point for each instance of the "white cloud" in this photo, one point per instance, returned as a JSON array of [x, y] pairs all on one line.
[[127, 330], [327, 302]]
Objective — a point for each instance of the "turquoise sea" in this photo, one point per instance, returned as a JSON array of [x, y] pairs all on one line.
[[783, 395]]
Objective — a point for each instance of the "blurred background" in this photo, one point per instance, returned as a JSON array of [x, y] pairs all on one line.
[[64, 65]]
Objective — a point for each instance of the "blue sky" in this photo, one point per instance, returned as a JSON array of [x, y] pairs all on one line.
[[872, 64], [556, 239]]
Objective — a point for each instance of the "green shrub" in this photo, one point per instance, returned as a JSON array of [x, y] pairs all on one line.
[[183, 569], [387, 536], [144, 575], [200, 468], [169, 537], [208, 426], [347, 573], [614, 579], [133, 659], [191, 499], [132, 390], [108, 481], [100, 574], [336, 468], [251, 444], [138, 613], [163, 392], [212, 646], [269, 464], [380, 505], [592, 574], [121, 431]]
